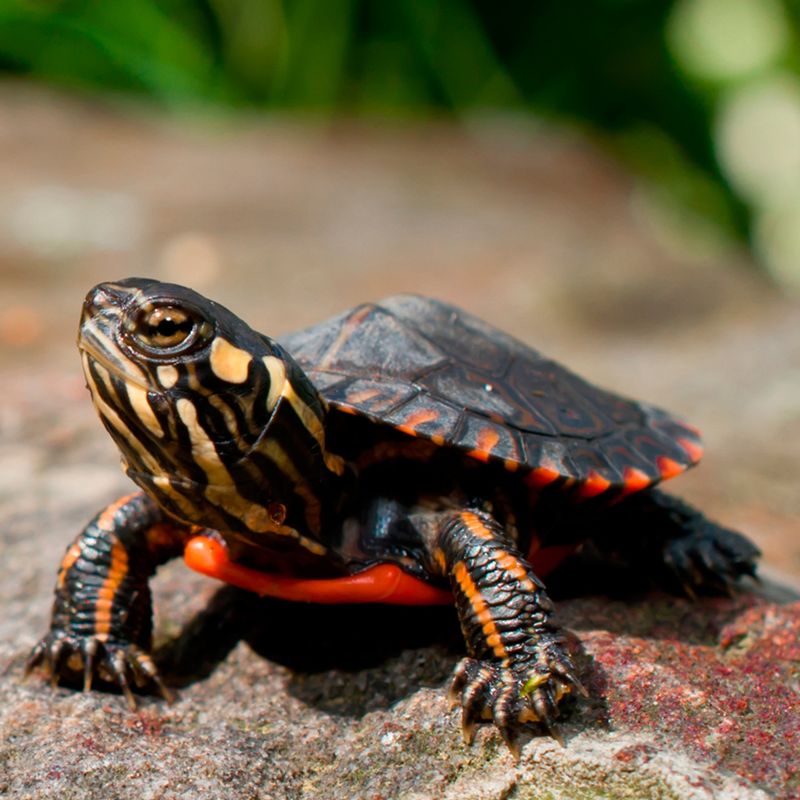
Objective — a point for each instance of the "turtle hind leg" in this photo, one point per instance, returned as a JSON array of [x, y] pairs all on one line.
[[677, 546], [709, 558]]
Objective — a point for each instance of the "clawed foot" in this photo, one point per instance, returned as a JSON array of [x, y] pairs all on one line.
[[710, 559], [120, 663], [512, 695]]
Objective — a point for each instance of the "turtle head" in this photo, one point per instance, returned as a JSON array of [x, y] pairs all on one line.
[[214, 420]]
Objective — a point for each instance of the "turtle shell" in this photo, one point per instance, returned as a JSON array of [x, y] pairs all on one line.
[[432, 370]]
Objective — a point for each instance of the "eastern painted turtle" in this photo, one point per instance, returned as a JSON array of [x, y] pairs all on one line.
[[402, 452]]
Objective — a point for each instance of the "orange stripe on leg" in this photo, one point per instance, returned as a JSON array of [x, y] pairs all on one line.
[[117, 572], [476, 526], [513, 566], [440, 560], [72, 555], [106, 520], [481, 610]]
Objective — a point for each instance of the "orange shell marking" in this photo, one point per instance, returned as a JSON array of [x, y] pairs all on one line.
[[487, 441], [416, 419], [383, 583], [594, 484], [542, 476], [669, 468], [362, 395], [693, 449], [635, 481]]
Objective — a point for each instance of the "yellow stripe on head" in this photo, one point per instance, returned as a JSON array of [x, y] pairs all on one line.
[[221, 489], [280, 388], [229, 363], [277, 380], [167, 375], [138, 397], [133, 444], [204, 453]]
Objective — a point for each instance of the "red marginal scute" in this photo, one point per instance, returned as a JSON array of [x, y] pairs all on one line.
[[593, 485], [693, 449], [383, 583], [635, 481], [542, 476], [669, 468]]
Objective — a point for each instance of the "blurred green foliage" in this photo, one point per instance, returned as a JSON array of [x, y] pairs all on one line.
[[602, 60], [605, 63]]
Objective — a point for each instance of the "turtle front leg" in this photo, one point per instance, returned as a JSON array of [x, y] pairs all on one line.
[[517, 668], [102, 615]]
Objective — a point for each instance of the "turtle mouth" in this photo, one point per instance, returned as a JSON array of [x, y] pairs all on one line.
[[98, 344], [116, 368]]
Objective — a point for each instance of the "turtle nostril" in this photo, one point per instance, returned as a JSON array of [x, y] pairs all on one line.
[[102, 297], [97, 299]]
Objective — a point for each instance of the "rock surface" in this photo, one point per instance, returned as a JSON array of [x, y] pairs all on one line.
[[688, 700]]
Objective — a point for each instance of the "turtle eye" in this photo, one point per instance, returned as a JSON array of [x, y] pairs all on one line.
[[168, 328]]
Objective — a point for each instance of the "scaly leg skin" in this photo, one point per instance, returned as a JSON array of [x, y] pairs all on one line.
[[517, 669], [679, 546], [102, 614]]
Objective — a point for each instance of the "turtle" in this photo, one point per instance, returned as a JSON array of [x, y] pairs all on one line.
[[404, 451]]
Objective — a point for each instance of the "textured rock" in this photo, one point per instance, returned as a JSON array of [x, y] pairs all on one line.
[[688, 700]]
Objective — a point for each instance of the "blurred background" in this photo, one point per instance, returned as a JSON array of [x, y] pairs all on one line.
[[616, 182], [700, 97]]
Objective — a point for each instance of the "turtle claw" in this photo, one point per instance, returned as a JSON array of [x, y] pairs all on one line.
[[582, 690], [511, 695], [468, 725], [36, 657], [512, 743], [564, 672], [555, 733], [125, 665], [166, 694], [89, 653], [118, 662]]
